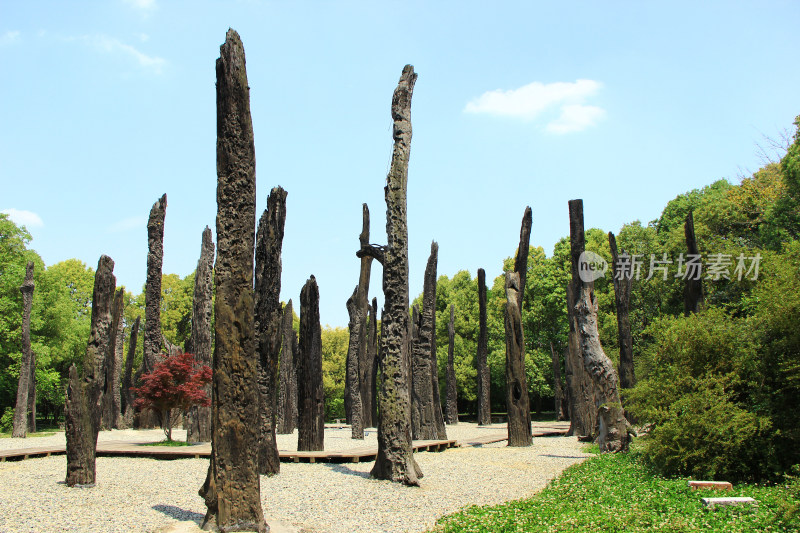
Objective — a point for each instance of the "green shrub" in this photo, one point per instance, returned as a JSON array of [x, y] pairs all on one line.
[[7, 420], [334, 408]]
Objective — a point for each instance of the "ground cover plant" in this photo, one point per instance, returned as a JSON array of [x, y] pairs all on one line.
[[616, 492]]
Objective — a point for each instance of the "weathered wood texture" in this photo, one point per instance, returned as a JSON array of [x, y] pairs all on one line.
[[199, 418], [521, 261], [357, 364], [452, 393], [127, 378], [287, 395], [582, 410], [28, 363], [612, 430], [310, 394], [484, 377], [111, 392], [558, 390], [623, 282], [693, 297], [425, 406], [152, 295], [395, 460], [517, 402], [268, 317], [84, 393], [232, 488], [372, 371]]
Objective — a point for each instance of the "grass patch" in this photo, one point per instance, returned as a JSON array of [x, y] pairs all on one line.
[[614, 493], [167, 443], [32, 435]]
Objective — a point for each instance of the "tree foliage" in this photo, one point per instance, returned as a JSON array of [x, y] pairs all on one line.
[[176, 383]]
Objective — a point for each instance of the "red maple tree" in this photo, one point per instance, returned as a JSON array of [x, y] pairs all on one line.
[[175, 383]]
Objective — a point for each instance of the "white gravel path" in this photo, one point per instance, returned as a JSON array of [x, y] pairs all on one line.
[[139, 494]]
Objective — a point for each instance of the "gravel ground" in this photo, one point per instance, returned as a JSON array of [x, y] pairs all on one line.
[[139, 494]]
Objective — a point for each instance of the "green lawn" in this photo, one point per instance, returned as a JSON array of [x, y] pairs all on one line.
[[32, 435], [616, 493]]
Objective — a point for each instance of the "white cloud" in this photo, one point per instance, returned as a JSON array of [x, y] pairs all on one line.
[[575, 117], [10, 37], [127, 224], [535, 100], [24, 218], [111, 46]]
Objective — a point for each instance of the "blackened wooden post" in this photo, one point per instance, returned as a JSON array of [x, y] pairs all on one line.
[[310, 394], [693, 297], [199, 419], [623, 280], [232, 488], [20, 427], [452, 393], [127, 378], [84, 393], [268, 317], [484, 378], [517, 402], [287, 395]]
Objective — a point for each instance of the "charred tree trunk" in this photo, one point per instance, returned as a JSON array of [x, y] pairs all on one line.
[[452, 393], [199, 423], [612, 428], [372, 357], [268, 317], [517, 403], [111, 390], [357, 327], [119, 351], [232, 488], [358, 309], [425, 406], [582, 413], [484, 378], [127, 379], [395, 458], [521, 261], [558, 394], [21, 422], [310, 394], [623, 281], [693, 297], [287, 397], [84, 394]]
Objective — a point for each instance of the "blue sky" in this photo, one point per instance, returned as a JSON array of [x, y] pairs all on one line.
[[105, 106]]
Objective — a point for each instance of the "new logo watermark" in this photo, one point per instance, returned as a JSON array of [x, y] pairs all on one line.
[[591, 266]]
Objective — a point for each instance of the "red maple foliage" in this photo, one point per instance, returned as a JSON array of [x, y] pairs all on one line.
[[175, 383]]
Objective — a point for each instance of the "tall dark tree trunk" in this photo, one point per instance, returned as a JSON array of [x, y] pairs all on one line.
[[287, 396], [358, 310], [199, 423], [111, 390], [84, 394], [425, 406], [395, 458], [623, 280], [612, 428], [558, 394], [452, 393], [119, 354], [24, 387], [517, 403], [310, 394], [521, 261], [232, 488], [151, 341], [580, 387], [484, 378], [127, 378], [269, 314], [372, 357], [693, 297]]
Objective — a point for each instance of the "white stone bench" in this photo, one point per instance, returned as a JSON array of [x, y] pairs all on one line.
[[713, 503]]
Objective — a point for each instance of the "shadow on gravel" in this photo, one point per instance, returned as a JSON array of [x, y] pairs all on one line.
[[346, 470], [565, 456], [178, 514]]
